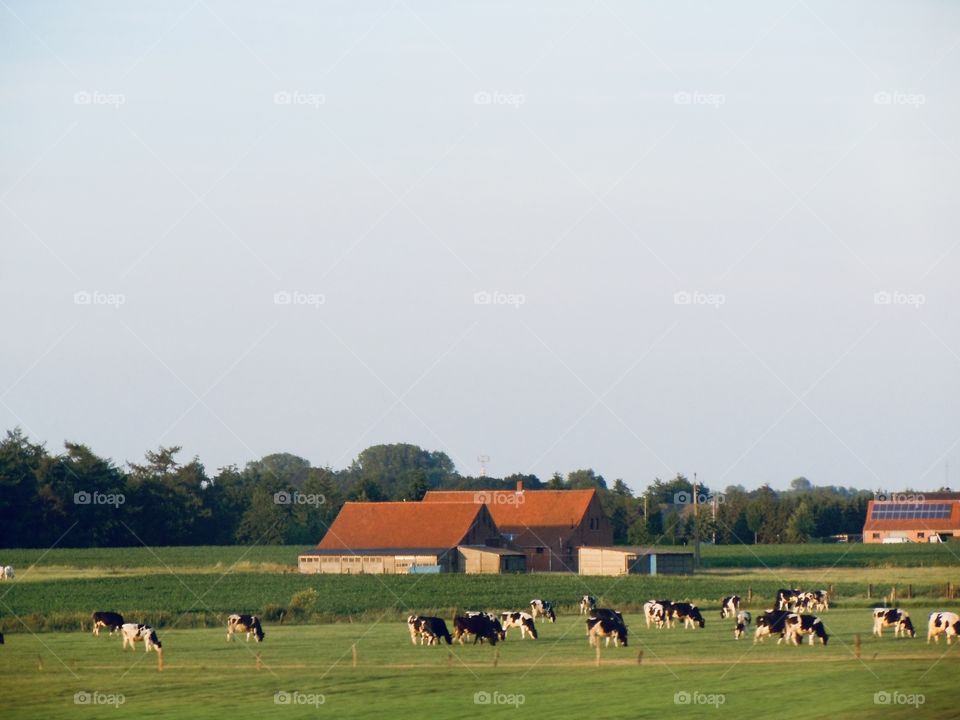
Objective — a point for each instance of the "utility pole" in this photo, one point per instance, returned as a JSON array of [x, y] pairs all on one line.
[[696, 525]]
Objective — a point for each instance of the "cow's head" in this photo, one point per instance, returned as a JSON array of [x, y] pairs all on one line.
[[906, 626]]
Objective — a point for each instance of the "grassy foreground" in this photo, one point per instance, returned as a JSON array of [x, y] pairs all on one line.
[[308, 671]]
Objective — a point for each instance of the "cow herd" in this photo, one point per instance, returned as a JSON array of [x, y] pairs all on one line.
[[132, 633]]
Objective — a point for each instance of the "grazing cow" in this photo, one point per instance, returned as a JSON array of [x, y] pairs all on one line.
[[587, 603], [772, 622], [6, 573], [892, 617], [787, 599], [729, 606], [943, 623], [689, 614], [111, 620], [820, 600], [479, 625], [249, 624], [431, 629], [743, 619], [134, 633], [518, 619], [606, 628], [799, 625], [542, 607], [657, 611]]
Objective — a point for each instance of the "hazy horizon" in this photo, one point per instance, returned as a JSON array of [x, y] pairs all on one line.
[[639, 239]]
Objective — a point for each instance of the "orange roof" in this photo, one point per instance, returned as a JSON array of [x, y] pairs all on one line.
[[950, 522], [368, 525], [516, 511]]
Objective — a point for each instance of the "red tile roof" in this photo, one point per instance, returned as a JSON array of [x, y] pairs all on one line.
[[515, 512], [365, 525]]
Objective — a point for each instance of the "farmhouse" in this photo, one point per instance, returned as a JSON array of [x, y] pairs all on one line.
[[407, 537], [627, 560], [930, 517], [548, 525]]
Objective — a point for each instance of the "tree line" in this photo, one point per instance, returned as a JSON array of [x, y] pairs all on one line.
[[76, 498]]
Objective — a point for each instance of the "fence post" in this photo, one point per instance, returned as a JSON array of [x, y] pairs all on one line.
[[598, 653], [354, 648], [893, 595], [910, 592], [856, 646], [750, 595], [869, 591], [640, 658]]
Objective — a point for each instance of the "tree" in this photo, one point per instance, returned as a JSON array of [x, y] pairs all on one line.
[[801, 526]]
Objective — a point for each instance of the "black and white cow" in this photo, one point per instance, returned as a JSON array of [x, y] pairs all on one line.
[[587, 603], [743, 619], [892, 617], [133, 633], [819, 600], [6, 572], [943, 623], [772, 622], [607, 628], [659, 612], [799, 625], [111, 620], [544, 608], [431, 629], [689, 614], [479, 625], [787, 599], [249, 624], [729, 606], [518, 619]]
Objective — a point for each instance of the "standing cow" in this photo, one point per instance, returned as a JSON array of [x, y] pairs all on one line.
[[134, 633], [111, 620], [729, 606], [521, 620], [943, 623], [799, 625], [587, 603], [249, 624], [743, 619], [542, 608], [895, 617]]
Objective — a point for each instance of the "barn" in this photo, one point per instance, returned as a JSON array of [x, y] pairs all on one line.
[[401, 537], [901, 517], [547, 525], [629, 560]]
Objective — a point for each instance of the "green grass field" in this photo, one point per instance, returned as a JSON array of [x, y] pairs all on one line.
[[555, 676]]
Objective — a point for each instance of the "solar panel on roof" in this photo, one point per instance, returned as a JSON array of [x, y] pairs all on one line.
[[910, 511]]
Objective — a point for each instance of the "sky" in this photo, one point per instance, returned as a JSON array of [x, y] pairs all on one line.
[[646, 238]]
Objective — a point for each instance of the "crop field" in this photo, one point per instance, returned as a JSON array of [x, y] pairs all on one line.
[[342, 646]]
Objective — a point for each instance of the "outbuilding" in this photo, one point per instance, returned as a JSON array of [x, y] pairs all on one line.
[[632, 560]]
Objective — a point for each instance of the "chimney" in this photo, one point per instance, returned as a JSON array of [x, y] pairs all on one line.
[[519, 486]]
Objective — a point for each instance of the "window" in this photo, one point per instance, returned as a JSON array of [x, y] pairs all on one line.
[[539, 551], [919, 534], [876, 536]]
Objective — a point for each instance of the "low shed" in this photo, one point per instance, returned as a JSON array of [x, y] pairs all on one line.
[[628, 560], [491, 560]]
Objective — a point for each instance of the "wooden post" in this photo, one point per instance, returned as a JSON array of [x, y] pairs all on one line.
[[160, 660], [856, 646], [496, 657], [749, 596], [640, 658], [910, 592], [949, 591], [39, 663], [354, 649], [869, 591], [893, 596], [283, 614], [259, 662], [598, 652]]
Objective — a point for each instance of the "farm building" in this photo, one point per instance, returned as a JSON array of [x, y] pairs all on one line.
[[401, 537], [930, 517], [547, 525], [625, 560]]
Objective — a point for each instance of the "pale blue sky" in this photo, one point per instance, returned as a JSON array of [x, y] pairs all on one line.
[[782, 163]]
